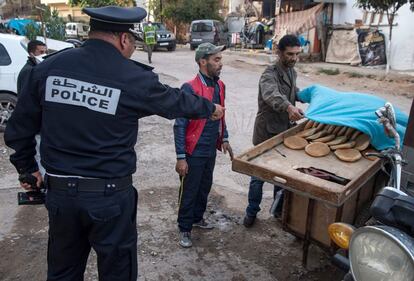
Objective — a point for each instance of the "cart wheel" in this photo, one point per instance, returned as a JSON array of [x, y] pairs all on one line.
[[364, 217], [348, 277]]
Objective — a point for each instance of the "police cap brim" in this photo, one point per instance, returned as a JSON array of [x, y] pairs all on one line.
[[114, 18]]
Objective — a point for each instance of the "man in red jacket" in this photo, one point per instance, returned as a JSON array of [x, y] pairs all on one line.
[[196, 142]]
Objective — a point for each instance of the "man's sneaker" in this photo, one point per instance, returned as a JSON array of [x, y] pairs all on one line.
[[248, 221], [185, 239], [203, 224]]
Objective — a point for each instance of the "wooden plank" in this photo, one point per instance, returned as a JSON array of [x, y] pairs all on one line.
[[269, 144], [274, 163], [296, 213]]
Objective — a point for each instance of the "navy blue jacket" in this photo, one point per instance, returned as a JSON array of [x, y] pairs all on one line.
[[206, 145], [25, 72], [86, 103]]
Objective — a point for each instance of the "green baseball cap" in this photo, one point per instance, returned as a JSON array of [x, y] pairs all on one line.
[[207, 49]]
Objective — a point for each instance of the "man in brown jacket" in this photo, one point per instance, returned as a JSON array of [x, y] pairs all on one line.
[[277, 112]]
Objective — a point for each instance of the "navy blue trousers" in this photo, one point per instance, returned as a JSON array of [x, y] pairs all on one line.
[[194, 190], [79, 221], [256, 195]]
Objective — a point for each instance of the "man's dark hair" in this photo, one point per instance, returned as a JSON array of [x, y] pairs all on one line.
[[31, 47], [288, 41]]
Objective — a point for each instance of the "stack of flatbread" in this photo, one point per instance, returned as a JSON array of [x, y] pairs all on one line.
[[319, 140]]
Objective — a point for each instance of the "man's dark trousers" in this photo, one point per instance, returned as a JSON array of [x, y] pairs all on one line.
[[194, 190], [105, 221], [256, 195]]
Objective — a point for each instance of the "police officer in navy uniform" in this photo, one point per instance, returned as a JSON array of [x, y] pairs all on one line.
[[86, 103]]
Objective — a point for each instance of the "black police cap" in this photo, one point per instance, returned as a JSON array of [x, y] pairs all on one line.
[[114, 18]]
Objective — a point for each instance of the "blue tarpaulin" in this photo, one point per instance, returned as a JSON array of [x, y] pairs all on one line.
[[351, 109], [20, 25]]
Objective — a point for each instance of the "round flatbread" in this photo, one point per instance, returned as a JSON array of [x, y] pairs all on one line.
[[309, 124], [295, 142], [342, 131], [317, 135], [349, 144], [348, 155], [321, 126], [355, 135], [325, 139], [336, 130], [330, 128], [349, 132], [306, 133], [317, 149], [362, 142], [337, 140]]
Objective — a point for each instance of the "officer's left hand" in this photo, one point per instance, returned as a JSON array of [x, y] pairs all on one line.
[[226, 147], [39, 178]]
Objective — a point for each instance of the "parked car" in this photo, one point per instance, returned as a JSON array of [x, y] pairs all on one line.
[[13, 56], [211, 31], [165, 38], [76, 30]]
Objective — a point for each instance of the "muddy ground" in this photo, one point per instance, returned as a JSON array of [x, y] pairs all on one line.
[[228, 252]]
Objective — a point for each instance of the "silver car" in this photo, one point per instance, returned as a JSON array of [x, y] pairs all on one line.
[[211, 31]]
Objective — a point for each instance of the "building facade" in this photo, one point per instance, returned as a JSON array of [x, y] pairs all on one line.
[[65, 11], [17, 8], [402, 45]]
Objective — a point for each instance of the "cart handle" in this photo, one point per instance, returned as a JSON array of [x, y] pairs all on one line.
[[279, 180]]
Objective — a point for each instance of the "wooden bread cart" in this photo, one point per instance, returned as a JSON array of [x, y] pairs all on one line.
[[311, 203]]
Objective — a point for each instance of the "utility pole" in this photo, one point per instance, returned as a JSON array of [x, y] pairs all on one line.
[[161, 16], [41, 10]]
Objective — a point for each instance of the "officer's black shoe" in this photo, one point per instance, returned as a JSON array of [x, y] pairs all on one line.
[[248, 221], [185, 240]]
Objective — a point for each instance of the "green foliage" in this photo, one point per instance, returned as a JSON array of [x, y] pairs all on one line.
[[383, 5], [55, 27], [101, 3], [32, 31], [155, 7], [51, 25], [185, 11]]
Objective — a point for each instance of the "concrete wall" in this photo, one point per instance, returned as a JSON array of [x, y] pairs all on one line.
[[402, 48], [233, 4], [142, 3]]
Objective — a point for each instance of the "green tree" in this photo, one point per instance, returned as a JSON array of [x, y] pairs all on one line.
[[51, 26], [32, 31], [389, 8], [101, 3], [55, 26], [185, 11], [154, 7]]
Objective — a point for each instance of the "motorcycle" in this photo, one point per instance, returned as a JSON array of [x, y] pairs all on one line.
[[383, 251]]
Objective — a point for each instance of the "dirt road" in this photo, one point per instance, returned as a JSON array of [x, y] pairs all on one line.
[[229, 252]]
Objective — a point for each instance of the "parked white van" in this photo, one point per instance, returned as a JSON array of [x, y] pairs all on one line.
[[77, 30]]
